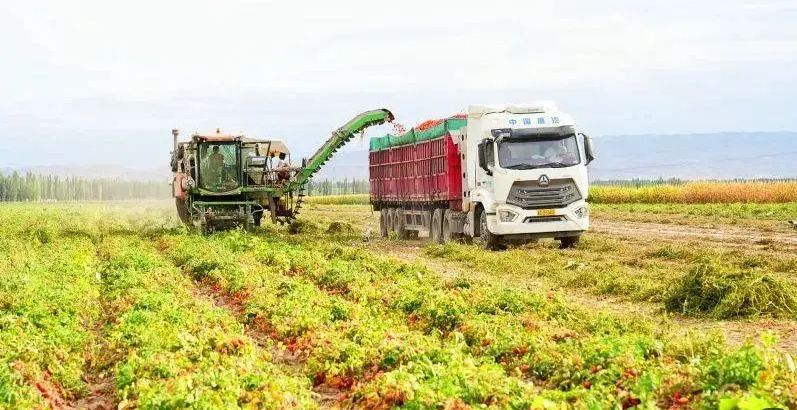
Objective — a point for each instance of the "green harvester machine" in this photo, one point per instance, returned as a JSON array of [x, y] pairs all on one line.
[[228, 180]]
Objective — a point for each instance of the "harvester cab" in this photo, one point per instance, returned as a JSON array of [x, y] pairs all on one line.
[[227, 180]]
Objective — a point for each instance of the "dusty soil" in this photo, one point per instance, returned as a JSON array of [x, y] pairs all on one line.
[[102, 396], [723, 234]]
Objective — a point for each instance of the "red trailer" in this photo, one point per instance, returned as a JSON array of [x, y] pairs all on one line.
[[416, 181]]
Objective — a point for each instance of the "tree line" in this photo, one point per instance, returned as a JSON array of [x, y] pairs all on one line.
[[16, 187], [339, 187], [30, 187]]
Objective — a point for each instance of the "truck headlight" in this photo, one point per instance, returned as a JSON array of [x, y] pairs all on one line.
[[582, 212], [507, 215]]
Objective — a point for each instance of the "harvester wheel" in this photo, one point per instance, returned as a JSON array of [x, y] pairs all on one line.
[[182, 211], [436, 229], [257, 216], [398, 224], [383, 222], [489, 240], [272, 208]]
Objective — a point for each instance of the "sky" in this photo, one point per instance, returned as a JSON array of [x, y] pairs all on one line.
[[99, 82]]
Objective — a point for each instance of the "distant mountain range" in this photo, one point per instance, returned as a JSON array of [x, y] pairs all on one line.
[[685, 156]]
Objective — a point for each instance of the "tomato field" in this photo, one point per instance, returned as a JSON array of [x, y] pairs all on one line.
[[116, 306]]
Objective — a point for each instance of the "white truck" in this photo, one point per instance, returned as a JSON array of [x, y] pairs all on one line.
[[511, 173]]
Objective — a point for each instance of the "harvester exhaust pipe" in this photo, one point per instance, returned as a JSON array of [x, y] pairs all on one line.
[[175, 134]]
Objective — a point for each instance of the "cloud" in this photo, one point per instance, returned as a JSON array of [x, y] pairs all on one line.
[[109, 70]]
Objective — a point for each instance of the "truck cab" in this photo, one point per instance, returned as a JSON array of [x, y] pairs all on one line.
[[526, 174]]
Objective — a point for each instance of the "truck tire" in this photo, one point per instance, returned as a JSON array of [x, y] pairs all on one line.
[[436, 228], [447, 234], [383, 222], [399, 225], [568, 242], [390, 215], [490, 241]]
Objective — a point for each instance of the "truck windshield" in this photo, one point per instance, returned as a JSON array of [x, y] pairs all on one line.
[[218, 166], [539, 152]]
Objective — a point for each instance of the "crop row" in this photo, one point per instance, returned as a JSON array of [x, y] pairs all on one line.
[[85, 299], [175, 349], [397, 334], [698, 193], [48, 309], [688, 193]]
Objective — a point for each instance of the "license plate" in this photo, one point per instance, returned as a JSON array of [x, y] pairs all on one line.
[[546, 212]]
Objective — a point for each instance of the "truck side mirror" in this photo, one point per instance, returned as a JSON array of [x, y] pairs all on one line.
[[588, 150], [486, 155]]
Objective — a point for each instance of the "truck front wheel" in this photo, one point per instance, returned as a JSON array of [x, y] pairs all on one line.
[[436, 230], [490, 241], [568, 242]]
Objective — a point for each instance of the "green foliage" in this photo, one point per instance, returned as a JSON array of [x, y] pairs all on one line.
[[355, 199], [389, 333], [180, 350], [48, 306], [725, 292]]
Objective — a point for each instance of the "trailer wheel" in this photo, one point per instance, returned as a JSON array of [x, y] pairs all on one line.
[[399, 225], [389, 221], [436, 230], [568, 242], [383, 223], [490, 241], [447, 235]]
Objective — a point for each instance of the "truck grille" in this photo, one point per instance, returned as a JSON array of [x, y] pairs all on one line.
[[530, 195], [537, 219]]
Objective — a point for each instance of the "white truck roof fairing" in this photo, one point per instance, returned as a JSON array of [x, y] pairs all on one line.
[[538, 107]]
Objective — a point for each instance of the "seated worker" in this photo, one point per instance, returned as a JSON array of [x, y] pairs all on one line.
[[555, 151], [214, 167], [216, 159], [283, 168]]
